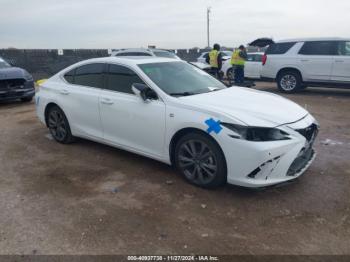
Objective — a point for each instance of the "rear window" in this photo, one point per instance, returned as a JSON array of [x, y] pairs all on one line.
[[254, 58], [89, 75], [319, 48], [279, 48], [70, 76]]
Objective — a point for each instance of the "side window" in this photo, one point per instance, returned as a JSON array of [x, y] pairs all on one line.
[[258, 58], [89, 75], [121, 78], [344, 48], [279, 48], [318, 48], [250, 58], [70, 76]]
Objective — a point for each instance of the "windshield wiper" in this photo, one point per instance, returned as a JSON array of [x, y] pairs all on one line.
[[183, 94]]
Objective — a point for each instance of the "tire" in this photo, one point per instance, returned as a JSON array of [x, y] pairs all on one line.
[[289, 81], [27, 99], [230, 74], [59, 126], [201, 161]]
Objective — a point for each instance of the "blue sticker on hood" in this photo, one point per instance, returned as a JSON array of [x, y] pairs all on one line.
[[213, 126]]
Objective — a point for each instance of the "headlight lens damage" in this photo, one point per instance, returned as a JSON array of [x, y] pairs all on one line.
[[257, 134]]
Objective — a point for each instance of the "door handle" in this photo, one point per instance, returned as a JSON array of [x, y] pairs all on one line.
[[339, 61], [304, 60], [64, 92], [106, 101]]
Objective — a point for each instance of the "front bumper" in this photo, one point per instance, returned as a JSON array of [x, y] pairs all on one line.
[[261, 164], [16, 90]]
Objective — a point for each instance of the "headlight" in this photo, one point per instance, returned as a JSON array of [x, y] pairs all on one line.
[[257, 134]]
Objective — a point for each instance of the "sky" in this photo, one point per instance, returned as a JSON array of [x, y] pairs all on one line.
[[169, 24]]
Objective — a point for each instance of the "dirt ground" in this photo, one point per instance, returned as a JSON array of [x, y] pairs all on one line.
[[88, 198]]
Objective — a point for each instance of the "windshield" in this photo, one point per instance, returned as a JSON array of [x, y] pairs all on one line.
[[164, 54], [180, 78], [4, 64]]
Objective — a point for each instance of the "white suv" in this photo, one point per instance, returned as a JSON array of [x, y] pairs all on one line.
[[296, 64]]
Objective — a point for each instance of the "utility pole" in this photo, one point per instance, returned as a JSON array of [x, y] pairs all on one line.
[[208, 24]]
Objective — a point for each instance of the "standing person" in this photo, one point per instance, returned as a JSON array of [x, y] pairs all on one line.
[[238, 59], [214, 59]]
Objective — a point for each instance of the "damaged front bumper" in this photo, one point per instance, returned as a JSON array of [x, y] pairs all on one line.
[[261, 164], [12, 89]]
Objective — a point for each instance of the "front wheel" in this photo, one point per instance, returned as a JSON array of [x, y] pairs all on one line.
[[201, 161], [289, 82], [59, 126]]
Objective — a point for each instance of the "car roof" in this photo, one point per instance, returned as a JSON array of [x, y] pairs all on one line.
[[314, 39], [128, 60], [149, 50]]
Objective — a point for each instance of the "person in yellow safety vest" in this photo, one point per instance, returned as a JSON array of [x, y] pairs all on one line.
[[238, 59], [214, 59]]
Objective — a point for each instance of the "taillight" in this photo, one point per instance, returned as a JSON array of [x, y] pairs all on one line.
[[264, 59]]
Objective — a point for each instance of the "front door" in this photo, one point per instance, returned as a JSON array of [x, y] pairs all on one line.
[[127, 120], [341, 68]]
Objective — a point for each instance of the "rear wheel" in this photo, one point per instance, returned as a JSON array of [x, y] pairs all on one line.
[[289, 81], [59, 126], [200, 160]]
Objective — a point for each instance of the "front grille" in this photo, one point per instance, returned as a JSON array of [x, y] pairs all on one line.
[[11, 84], [309, 133]]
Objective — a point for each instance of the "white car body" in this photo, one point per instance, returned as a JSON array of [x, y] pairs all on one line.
[[318, 61], [226, 56], [147, 128], [145, 52], [252, 67]]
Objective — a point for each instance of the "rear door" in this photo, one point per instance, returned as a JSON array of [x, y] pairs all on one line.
[[341, 68], [316, 60], [79, 99]]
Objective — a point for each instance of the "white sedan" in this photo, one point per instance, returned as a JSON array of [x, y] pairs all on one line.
[[174, 112], [226, 55], [252, 68]]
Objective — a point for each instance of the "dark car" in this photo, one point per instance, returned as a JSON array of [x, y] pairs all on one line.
[[15, 83]]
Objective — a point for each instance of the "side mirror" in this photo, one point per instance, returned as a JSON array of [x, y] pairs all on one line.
[[143, 91]]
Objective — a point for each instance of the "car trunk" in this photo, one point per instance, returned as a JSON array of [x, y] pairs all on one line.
[[262, 42]]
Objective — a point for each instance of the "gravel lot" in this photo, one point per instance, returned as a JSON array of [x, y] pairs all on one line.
[[88, 198]]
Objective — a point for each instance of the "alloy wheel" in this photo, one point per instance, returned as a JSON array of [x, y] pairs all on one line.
[[57, 125], [288, 82], [198, 162]]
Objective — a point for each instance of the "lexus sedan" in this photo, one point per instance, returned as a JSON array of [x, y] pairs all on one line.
[[176, 113], [15, 83]]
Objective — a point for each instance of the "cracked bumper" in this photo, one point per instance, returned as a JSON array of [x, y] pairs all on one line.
[[261, 164]]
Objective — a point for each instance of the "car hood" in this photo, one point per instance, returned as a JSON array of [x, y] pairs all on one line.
[[252, 107], [11, 73]]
